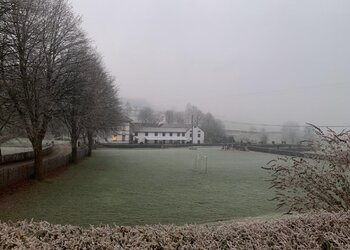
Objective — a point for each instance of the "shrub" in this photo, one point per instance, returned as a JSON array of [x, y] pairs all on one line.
[[320, 181]]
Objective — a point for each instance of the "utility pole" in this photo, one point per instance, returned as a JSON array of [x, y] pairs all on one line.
[[192, 129]]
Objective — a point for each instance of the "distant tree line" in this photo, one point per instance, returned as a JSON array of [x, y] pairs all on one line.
[[213, 128], [292, 134], [51, 74]]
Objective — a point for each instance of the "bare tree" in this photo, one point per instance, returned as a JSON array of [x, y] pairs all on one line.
[[193, 114], [104, 111], [128, 108], [40, 40], [74, 110], [179, 117], [264, 137], [10, 126], [321, 182], [169, 116], [93, 104], [291, 132], [309, 134], [213, 128], [147, 115]]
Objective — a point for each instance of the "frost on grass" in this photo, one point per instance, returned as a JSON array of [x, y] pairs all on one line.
[[311, 231]]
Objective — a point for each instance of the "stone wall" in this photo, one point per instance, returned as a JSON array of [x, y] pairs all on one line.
[[17, 172], [25, 156], [296, 152]]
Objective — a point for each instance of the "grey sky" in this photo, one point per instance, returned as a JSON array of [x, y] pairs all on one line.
[[258, 61]]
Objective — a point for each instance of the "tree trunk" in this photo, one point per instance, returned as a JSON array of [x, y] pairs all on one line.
[[38, 159], [74, 143], [90, 142]]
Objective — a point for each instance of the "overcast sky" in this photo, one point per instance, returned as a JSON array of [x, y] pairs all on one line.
[[266, 61]]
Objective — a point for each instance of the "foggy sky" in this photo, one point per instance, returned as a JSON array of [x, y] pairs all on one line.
[[267, 61]]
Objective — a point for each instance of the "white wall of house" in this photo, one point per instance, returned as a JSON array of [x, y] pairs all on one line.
[[120, 135], [198, 135], [170, 137], [161, 137]]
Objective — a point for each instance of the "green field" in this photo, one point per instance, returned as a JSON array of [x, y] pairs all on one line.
[[149, 186]]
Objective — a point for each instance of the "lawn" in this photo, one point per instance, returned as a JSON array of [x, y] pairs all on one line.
[[149, 186]]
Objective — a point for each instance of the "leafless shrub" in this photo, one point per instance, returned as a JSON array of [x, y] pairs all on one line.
[[320, 181], [303, 232]]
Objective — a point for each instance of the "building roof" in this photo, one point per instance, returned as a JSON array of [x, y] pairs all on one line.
[[160, 129], [175, 128], [188, 126], [125, 119]]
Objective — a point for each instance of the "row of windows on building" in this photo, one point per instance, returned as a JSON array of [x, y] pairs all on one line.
[[171, 142], [164, 134]]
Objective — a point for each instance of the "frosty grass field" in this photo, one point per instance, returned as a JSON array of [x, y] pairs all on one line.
[[149, 186]]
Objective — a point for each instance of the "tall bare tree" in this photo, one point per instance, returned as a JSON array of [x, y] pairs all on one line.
[[104, 107], [263, 136], [73, 110], [291, 132], [40, 38], [147, 115], [93, 104], [213, 128], [169, 116], [193, 114]]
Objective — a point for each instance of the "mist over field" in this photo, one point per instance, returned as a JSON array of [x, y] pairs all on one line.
[[250, 61], [157, 124]]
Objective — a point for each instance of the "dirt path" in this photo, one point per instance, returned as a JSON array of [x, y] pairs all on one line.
[[58, 150], [17, 173]]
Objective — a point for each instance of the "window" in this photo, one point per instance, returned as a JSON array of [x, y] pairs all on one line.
[[199, 142], [170, 134], [178, 134], [156, 134], [156, 141], [146, 134], [191, 135], [163, 134], [183, 134], [199, 135], [123, 137], [136, 134]]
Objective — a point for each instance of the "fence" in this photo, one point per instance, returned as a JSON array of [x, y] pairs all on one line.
[[288, 152], [16, 173], [25, 156]]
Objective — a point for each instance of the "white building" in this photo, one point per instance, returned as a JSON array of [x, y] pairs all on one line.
[[120, 134], [168, 134]]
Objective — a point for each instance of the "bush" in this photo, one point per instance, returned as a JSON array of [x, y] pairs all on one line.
[[326, 230], [321, 182]]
